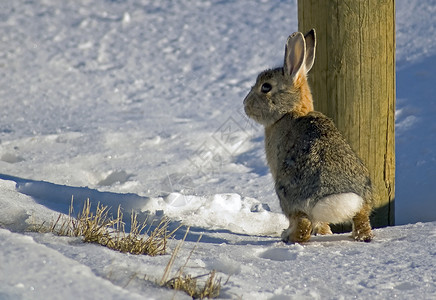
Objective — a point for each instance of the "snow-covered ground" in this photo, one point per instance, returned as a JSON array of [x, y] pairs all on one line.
[[139, 103]]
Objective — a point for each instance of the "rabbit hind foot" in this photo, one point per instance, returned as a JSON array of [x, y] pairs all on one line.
[[361, 226]]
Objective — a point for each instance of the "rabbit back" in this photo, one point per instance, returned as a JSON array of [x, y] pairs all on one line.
[[310, 161]]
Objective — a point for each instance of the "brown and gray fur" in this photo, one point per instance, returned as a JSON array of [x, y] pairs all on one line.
[[318, 178]]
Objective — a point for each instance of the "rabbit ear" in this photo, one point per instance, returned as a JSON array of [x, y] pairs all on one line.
[[310, 38], [295, 52]]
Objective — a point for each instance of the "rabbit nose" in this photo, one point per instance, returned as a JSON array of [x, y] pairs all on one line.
[[246, 97], [245, 103]]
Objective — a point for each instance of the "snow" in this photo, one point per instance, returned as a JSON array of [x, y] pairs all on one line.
[[139, 104], [47, 277], [400, 262]]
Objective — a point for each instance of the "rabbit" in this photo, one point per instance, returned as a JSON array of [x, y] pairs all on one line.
[[319, 180]]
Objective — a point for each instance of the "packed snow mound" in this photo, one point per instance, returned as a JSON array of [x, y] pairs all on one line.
[[221, 211], [19, 211]]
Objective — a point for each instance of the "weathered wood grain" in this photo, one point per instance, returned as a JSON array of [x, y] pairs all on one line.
[[353, 82]]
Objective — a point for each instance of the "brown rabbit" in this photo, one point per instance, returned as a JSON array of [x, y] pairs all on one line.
[[318, 178]]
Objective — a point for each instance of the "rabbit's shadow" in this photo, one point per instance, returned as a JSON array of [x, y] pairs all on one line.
[[331, 238]]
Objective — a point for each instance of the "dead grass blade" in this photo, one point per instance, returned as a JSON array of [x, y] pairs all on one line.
[[185, 282], [210, 289]]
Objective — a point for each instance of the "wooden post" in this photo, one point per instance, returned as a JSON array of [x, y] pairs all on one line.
[[353, 82]]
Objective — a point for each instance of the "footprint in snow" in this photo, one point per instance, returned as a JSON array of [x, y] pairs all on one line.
[[280, 254], [115, 177]]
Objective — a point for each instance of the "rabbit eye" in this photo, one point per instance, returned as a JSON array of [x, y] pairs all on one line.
[[265, 88]]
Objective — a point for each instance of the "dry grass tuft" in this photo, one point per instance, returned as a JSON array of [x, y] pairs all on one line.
[[210, 289], [183, 282], [110, 232], [139, 240]]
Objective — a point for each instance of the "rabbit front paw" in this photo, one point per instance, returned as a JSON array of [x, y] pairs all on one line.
[[363, 235], [299, 230]]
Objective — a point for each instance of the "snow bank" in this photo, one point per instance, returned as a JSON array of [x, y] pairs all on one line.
[[29, 270], [38, 201], [18, 211], [221, 211], [414, 23]]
